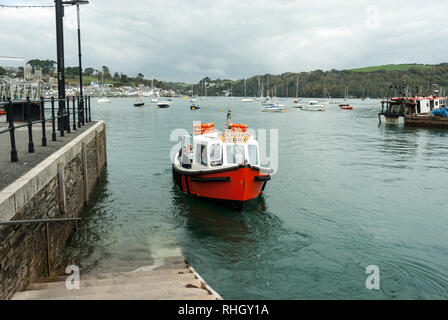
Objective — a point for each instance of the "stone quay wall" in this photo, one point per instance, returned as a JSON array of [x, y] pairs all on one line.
[[58, 187]]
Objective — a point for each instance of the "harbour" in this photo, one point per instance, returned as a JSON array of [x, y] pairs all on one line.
[[310, 236], [154, 156]]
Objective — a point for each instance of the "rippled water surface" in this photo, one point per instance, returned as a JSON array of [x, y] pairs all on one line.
[[348, 194]]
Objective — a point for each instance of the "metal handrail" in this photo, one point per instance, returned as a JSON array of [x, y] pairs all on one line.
[[38, 221], [47, 231], [63, 119]]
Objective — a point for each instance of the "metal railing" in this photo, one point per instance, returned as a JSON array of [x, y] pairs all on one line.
[[81, 113], [47, 222]]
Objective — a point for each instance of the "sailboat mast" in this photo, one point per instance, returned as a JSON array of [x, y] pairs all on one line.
[[297, 88]]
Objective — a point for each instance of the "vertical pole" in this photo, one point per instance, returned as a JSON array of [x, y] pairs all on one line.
[[74, 115], [47, 236], [60, 124], [14, 157], [90, 115], [85, 109], [60, 58], [79, 52], [53, 121], [30, 125], [42, 111], [67, 118], [79, 112]]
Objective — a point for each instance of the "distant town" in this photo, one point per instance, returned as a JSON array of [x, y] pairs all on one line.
[[38, 78]]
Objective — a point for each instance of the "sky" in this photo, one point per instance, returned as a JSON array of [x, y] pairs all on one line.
[[179, 40]]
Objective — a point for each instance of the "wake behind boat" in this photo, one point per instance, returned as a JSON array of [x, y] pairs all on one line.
[[223, 166]]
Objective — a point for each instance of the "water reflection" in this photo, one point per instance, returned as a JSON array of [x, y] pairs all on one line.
[[85, 248]]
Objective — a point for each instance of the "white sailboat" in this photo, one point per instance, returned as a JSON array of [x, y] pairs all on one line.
[[104, 99], [153, 99], [245, 99], [297, 99]]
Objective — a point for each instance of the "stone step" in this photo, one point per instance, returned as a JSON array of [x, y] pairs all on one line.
[[162, 289], [144, 272], [119, 279]]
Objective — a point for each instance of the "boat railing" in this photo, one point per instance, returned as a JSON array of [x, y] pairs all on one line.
[[80, 115]]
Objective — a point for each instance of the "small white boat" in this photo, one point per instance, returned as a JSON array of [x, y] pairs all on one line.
[[103, 100], [313, 106], [163, 104], [275, 108], [154, 100], [246, 100], [267, 102]]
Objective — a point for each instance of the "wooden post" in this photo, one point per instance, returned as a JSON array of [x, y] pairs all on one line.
[[61, 180], [47, 234], [105, 144], [84, 172], [98, 164]]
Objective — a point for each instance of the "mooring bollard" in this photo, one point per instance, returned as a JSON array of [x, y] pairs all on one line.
[[14, 157], [42, 111], [30, 126], [53, 121]]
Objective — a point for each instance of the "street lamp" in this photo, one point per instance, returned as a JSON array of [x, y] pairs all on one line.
[[59, 6], [81, 100]]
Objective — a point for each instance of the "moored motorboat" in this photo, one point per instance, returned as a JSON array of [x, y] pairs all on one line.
[[275, 108], [103, 100], [163, 104], [417, 110], [195, 107], [345, 106], [139, 104], [313, 106], [222, 166]]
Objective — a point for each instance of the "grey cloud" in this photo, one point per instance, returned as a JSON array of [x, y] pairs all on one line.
[[187, 40]]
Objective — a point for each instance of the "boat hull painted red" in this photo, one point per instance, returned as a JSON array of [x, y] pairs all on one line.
[[237, 185]]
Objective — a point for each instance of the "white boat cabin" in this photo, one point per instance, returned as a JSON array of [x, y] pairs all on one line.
[[211, 149], [428, 104]]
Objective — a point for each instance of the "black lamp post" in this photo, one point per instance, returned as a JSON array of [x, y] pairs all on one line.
[[59, 6]]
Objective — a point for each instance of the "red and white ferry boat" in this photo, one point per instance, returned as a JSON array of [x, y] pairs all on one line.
[[223, 166]]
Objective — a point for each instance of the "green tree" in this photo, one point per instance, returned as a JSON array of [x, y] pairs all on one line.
[[89, 71]]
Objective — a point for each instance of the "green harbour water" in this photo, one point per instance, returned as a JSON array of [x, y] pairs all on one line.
[[348, 193]]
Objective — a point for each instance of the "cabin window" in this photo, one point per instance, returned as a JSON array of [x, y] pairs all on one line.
[[235, 154], [253, 154], [197, 157], [204, 154], [216, 154]]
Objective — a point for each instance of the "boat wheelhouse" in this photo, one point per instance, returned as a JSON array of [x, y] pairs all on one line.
[[223, 166]]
